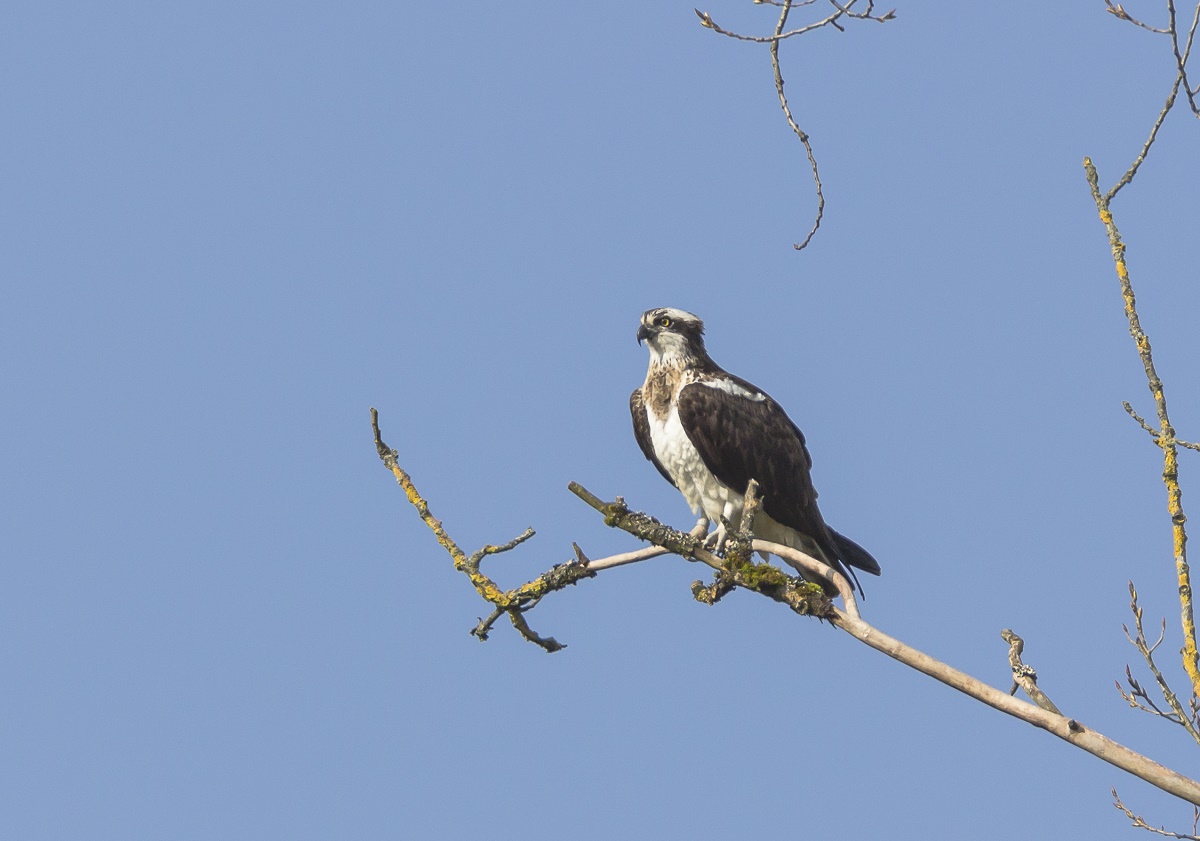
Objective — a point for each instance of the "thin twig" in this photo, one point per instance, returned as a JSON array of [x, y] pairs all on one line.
[[1179, 442], [1141, 158], [1118, 11], [1181, 80], [1146, 649], [1181, 58], [708, 23], [800, 133], [1140, 822], [780, 34]]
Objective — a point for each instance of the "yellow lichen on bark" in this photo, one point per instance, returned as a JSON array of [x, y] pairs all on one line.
[[1165, 437]]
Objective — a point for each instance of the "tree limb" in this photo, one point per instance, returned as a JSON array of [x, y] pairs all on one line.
[[805, 598], [1165, 438]]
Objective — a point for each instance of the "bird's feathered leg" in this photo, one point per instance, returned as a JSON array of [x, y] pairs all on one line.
[[728, 520], [700, 529]]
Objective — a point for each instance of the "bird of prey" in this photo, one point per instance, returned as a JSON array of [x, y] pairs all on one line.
[[709, 433]]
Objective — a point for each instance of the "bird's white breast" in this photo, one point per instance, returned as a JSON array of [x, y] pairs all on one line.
[[679, 456], [702, 490]]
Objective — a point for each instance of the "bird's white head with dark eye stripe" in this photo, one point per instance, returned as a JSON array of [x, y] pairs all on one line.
[[672, 335]]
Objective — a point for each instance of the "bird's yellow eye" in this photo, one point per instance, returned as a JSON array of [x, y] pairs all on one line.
[[664, 321]]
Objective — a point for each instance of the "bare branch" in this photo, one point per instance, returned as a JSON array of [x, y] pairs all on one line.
[[780, 34], [1140, 823], [1182, 54], [626, 558], [1118, 11], [708, 23], [618, 515], [1137, 696], [1141, 158], [1181, 57], [1067, 729], [1154, 432], [800, 133], [1141, 421], [484, 627]]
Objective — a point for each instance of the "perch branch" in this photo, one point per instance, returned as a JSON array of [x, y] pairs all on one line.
[[802, 597], [1068, 729], [618, 515], [735, 570]]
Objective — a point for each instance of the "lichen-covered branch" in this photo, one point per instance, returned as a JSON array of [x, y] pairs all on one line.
[[782, 33], [513, 602], [1165, 439], [735, 570], [1025, 677], [1164, 435]]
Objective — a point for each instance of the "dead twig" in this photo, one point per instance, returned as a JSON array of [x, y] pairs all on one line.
[[1140, 822], [514, 602], [1024, 677], [1179, 442], [1118, 11], [1137, 696], [782, 33]]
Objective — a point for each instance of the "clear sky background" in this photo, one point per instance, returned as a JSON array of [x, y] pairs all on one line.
[[230, 229]]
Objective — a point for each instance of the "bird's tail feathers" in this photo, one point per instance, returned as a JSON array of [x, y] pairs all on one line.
[[854, 555]]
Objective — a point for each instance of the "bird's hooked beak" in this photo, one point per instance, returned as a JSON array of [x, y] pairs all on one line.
[[643, 333]]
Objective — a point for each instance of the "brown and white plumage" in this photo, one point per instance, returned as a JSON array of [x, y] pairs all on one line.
[[709, 433]]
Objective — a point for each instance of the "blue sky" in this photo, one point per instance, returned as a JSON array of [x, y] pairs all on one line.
[[231, 230]]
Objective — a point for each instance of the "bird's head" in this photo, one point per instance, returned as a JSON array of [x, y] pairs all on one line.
[[672, 334]]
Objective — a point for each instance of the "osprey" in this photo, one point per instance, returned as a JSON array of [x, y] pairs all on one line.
[[709, 433]]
